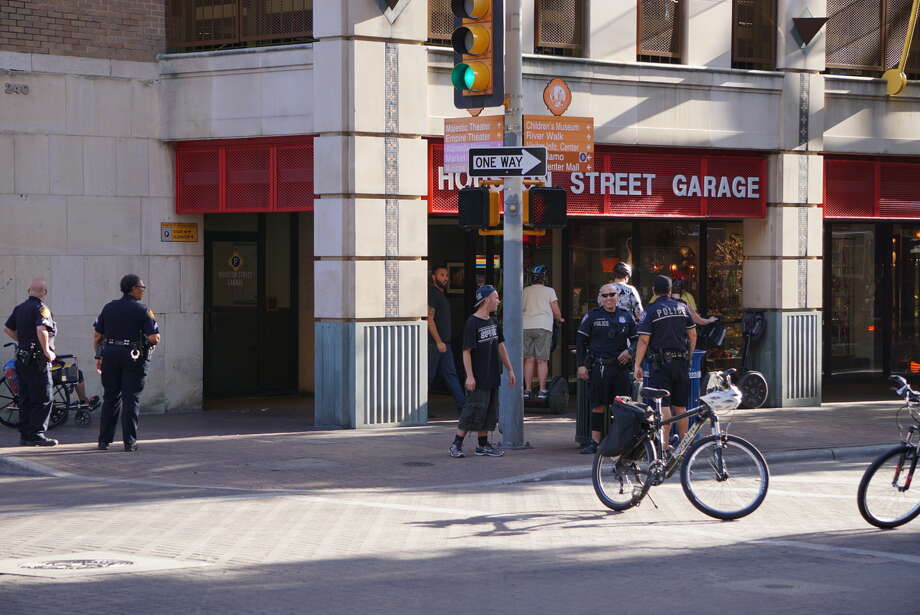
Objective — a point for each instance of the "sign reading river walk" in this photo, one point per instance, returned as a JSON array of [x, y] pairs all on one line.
[[508, 161], [569, 141]]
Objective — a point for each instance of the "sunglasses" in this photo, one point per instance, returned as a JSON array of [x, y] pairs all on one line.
[[141, 286], [605, 295]]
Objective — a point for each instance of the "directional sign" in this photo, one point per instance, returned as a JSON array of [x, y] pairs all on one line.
[[508, 161]]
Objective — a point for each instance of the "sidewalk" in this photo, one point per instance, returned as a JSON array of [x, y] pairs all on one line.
[[244, 451]]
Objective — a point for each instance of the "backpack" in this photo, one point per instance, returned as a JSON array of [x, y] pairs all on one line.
[[628, 423], [754, 325], [711, 335]]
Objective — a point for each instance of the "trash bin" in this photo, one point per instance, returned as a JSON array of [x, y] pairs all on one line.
[[582, 413]]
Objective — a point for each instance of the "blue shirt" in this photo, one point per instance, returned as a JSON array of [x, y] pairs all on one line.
[[126, 319], [666, 321], [608, 333]]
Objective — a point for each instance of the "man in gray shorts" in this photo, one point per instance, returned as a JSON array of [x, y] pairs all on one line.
[[541, 307]]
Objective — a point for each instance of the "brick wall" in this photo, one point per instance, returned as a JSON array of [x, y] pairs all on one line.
[[116, 29]]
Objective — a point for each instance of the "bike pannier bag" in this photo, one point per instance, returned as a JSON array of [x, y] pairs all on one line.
[[626, 427]]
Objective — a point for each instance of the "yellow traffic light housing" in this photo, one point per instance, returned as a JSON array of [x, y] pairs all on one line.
[[478, 75]]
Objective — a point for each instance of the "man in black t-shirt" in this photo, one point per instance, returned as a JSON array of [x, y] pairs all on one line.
[[440, 355], [483, 356]]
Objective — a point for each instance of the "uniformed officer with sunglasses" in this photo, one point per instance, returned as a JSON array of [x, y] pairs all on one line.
[[604, 348]]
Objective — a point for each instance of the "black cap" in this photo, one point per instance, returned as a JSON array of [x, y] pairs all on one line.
[[662, 285]]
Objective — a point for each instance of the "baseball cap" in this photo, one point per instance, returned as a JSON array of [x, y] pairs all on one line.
[[482, 293], [662, 285]]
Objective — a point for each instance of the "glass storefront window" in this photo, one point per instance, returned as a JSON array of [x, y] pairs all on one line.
[[724, 268], [905, 299], [671, 249], [855, 334]]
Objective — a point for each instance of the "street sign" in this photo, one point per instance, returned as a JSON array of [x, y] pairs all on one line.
[[461, 134], [508, 161], [569, 140]]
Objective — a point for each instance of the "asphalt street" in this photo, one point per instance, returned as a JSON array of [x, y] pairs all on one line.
[[539, 547]]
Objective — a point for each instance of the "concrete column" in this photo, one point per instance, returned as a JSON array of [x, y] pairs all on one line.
[[370, 224], [783, 252]]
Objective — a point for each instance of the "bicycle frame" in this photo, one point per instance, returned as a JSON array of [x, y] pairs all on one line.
[[703, 412]]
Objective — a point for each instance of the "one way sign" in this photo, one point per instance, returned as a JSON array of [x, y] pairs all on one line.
[[508, 161]]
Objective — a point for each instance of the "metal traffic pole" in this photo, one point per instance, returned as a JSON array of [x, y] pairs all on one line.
[[511, 417]]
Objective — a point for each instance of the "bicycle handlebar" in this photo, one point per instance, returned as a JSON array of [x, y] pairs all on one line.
[[8, 344]]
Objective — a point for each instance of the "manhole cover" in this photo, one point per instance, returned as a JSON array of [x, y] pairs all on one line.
[[77, 564], [91, 563], [418, 464]]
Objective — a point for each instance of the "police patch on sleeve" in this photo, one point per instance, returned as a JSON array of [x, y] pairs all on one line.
[[44, 311], [151, 315]]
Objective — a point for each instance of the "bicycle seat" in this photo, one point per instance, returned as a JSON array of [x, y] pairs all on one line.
[[655, 393]]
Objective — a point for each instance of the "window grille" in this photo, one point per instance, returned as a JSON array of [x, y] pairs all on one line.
[[216, 24], [440, 22], [659, 32], [754, 34], [559, 27], [865, 37]]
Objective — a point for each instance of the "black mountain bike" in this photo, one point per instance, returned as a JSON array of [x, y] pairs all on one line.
[[64, 375], [886, 496], [722, 475]]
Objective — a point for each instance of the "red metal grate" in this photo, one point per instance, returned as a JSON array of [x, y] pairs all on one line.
[[245, 175], [850, 188], [198, 178], [295, 178], [738, 180], [899, 193]]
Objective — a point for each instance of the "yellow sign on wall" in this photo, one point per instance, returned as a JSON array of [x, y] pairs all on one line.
[[179, 232]]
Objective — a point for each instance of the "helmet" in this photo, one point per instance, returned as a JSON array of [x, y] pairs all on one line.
[[622, 269], [723, 400], [538, 272]]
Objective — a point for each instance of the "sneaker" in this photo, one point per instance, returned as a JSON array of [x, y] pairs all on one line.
[[588, 449], [526, 395], [93, 402], [455, 451], [543, 394], [489, 451]]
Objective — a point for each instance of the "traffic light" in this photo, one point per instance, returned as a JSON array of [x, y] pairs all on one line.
[[545, 207], [478, 76], [479, 208]]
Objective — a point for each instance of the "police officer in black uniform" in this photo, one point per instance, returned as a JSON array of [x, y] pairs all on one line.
[[667, 334], [605, 338], [126, 331], [32, 328]]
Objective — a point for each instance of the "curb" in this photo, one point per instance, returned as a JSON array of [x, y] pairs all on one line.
[[22, 467]]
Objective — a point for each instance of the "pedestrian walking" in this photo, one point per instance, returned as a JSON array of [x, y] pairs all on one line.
[[667, 335], [484, 354], [629, 296], [440, 354], [32, 327], [604, 347], [540, 310], [125, 333]]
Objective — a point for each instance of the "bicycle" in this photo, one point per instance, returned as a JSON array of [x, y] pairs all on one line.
[[722, 475], [65, 376], [885, 497]]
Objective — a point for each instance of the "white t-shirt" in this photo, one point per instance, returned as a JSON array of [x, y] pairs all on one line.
[[537, 313]]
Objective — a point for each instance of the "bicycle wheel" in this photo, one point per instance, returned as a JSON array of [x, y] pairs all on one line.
[[60, 406], [753, 390], [621, 483], [725, 477], [9, 405], [886, 497]]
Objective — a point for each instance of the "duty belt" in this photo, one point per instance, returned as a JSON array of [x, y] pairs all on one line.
[[119, 342]]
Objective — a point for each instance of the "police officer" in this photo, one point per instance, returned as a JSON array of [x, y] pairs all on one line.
[[126, 330], [605, 336], [32, 328], [667, 334]]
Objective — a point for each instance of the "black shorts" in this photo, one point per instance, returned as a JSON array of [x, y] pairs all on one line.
[[480, 412], [673, 376], [607, 381]]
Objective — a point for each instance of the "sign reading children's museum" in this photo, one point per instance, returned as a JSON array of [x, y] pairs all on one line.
[[639, 183]]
